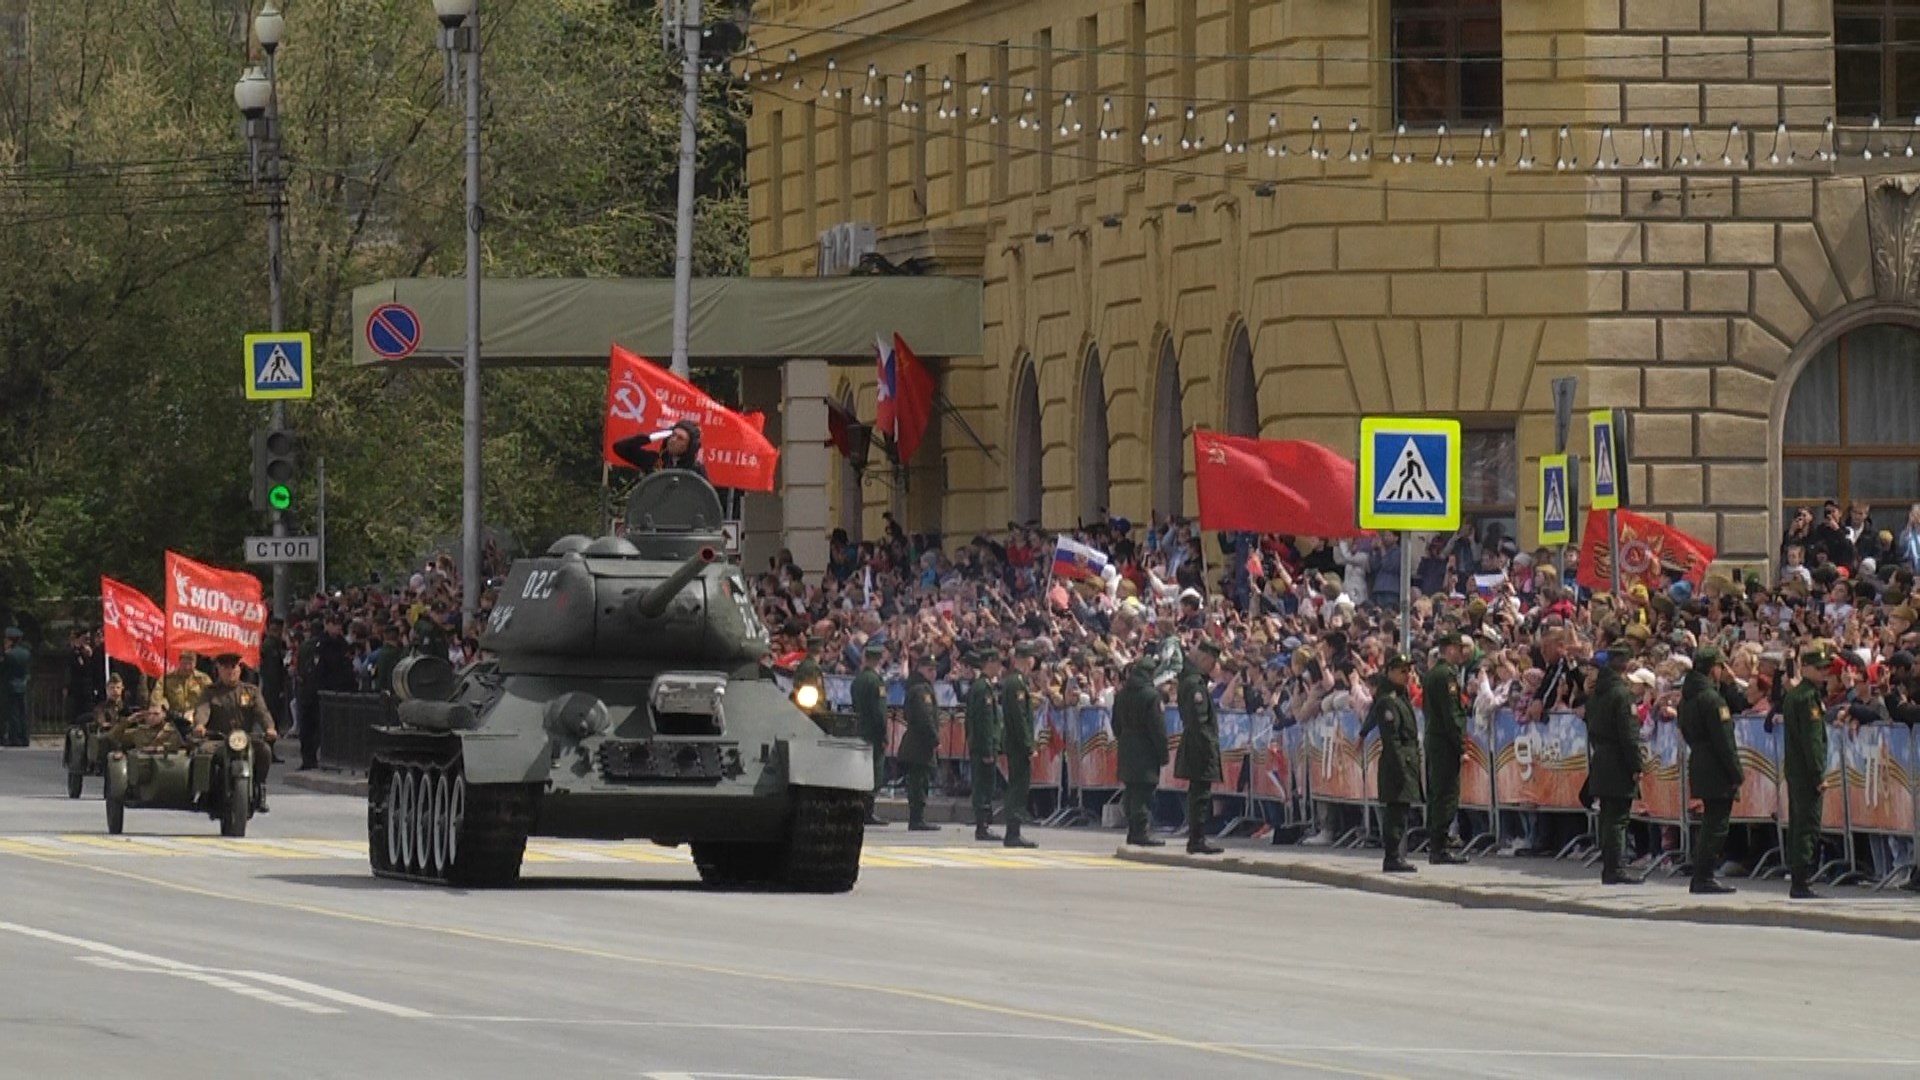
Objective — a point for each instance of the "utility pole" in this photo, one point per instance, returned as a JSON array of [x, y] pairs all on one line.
[[690, 28], [276, 301], [460, 41]]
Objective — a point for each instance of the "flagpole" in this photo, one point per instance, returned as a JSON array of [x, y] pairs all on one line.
[[1613, 549], [1406, 590]]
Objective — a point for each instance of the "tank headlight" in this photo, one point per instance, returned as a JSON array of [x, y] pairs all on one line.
[[807, 697], [237, 741]]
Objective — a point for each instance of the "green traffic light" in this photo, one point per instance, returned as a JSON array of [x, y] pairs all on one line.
[[280, 496]]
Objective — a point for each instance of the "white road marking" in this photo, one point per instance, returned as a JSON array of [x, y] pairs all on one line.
[[236, 981]]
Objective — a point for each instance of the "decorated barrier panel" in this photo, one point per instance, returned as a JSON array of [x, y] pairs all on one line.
[[1476, 772], [1332, 743], [1662, 790], [1094, 761], [1760, 797]]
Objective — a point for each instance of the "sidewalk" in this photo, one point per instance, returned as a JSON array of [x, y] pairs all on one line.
[[1560, 887]]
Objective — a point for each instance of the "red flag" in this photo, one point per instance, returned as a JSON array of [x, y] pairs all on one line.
[[840, 422], [644, 397], [1273, 486], [136, 631], [885, 368], [1648, 549], [213, 611], [913, 393]]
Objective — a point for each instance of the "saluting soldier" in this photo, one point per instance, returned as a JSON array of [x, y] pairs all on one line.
[[1397, 774], [920, 744], [1140, 735], [1446, 743], [870, 716], [232, 705], [147, 731], [1714, 774], [1613, 758], [1198, 761], [1805, 763], [983, 738], [1017, 726]]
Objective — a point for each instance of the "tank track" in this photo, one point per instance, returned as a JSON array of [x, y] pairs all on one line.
[[437, 829], [821, 853]]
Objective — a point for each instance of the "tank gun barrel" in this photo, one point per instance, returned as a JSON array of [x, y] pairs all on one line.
[[654, 603]]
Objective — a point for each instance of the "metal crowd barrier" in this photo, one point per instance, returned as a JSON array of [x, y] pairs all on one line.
[[346, 727]]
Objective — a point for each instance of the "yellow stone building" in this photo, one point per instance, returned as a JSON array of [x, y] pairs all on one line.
[[1166, 241]]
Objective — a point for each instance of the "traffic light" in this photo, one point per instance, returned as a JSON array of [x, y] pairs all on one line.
[[275, 461]]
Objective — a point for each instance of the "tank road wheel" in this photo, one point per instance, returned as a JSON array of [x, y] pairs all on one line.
[[422, 819], [401, 822], [239, 806], [491, 823], [823, 845], [439, 827], [456, 813]]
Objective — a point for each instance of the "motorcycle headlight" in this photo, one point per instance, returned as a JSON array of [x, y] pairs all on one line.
[[807, 697], [237, 741]]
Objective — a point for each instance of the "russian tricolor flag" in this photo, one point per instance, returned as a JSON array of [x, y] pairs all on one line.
[[1078, 561]]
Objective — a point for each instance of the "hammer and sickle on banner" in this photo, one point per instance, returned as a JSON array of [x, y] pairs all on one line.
[[1216, 456], [629, 404]]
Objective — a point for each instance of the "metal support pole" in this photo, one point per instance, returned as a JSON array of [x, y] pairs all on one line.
[[470, 494], [1613, 548], [690, 20], [1406, 591], [276, 303], [320, 512]]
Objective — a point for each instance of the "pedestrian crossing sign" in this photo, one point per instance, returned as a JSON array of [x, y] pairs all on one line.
[[1409, 474], [1606, 467], [279, 367], [1556, 517]]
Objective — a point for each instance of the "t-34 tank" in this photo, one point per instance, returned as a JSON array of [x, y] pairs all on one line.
[[624, 698]]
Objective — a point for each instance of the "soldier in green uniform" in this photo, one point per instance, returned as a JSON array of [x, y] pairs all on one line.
[[1016, 716], [16, 665], [983, 738], [179, 690], [1140, 735], [1805, 764], [231, 705], [920, 744], [1445, 744], [1198, 760], [1613, 757], [870, 717], [1714, 774], [147, 730], [1397, 774]]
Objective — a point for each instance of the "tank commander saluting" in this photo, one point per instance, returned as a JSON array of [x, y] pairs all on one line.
[[678, 447], [232, 705]]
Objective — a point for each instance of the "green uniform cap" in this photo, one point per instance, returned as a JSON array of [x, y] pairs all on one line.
[[1705, 657], [1817, 656], [1399, 660], [1451, 637], [1211, 649], [875, 648]]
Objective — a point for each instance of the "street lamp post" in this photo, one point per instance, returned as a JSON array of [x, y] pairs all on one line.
[[257, 95], [460, 39]]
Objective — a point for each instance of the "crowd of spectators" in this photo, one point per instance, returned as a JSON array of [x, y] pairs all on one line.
[[1306, 626]]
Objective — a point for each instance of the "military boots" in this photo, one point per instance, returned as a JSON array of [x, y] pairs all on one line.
[[1139, 836], [1803, 887], [983, 833], [1197, 841], [1014, 839]]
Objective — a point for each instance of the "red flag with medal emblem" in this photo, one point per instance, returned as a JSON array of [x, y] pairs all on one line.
[[136, 630], [644, 397], [1648, 550]]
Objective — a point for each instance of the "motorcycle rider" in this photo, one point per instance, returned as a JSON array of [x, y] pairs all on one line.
[[232, 705]]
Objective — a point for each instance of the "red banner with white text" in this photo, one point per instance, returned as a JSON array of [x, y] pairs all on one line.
[[136, 629], [212, 611]]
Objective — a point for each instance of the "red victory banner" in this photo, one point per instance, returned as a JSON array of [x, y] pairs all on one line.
[[643, 397], [213, 611], [1648, 551], [136, 631], [1291, 487]]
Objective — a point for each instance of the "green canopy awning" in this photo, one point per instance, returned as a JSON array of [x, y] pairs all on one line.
[[735, 320]]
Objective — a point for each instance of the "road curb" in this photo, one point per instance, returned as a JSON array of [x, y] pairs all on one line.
[[327, 783], [1832, 918]]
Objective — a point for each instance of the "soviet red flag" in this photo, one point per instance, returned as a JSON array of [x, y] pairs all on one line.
[[1291, 487], [643, 397], [136, 630]]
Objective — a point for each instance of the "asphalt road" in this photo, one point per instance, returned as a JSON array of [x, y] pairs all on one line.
[[174, 954]]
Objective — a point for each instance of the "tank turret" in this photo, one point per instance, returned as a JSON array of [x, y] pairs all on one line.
[[622, 697]]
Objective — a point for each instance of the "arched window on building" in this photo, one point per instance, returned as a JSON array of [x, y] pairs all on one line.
[[1169, 435], [1243, 393], [1852, 431], [853, 502], [1095, 442], [1025, 464]]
